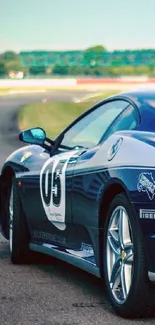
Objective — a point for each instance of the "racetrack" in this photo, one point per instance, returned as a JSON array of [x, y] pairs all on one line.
[[48, 292], [9, 107]]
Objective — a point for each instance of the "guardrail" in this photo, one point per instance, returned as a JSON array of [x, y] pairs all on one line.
[[73, 82], [4, 83]]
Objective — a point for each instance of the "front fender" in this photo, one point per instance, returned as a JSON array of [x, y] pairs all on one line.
[[14, 165], [17, 160]]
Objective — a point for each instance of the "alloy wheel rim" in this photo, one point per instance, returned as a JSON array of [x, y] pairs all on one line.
[[11, 219], [119, 254]]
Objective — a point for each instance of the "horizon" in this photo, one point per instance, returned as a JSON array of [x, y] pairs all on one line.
[[77, 50]]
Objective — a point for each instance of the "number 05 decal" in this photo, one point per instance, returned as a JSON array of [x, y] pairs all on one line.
[[53, 188]]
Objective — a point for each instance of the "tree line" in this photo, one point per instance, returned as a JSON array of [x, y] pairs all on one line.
[[94, 61]]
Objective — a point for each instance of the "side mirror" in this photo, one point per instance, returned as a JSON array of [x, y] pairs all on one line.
[[33, 136]]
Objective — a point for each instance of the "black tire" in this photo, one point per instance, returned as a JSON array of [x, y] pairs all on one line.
[[20, 252], [140, 298]]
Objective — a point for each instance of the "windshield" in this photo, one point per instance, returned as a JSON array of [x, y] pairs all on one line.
[[90, 129]]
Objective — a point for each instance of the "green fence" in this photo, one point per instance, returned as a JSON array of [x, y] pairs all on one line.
[[84, 58]]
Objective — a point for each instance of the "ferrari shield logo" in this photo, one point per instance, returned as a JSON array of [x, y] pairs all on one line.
[[25, 156]]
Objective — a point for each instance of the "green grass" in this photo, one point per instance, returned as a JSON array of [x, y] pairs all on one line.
[[53, 117], [4, 91]]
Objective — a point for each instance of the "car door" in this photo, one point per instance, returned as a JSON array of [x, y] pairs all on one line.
[[87, 133], [47, 188]]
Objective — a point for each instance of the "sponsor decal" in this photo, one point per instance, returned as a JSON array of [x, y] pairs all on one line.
[[147, 214], [114, 149], [86, 251], [87, 248], [40, 235], [146, 183], [25, 156]]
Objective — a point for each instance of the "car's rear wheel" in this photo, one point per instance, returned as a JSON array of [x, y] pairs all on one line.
[[18, 231], [125, 269]]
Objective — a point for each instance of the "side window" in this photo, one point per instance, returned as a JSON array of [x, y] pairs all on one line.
[[90, 129], [127, 121]]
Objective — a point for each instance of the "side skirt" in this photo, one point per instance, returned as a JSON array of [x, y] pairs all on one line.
[[65, 256]]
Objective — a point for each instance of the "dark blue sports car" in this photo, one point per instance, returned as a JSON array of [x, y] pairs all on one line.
[[88, 198]]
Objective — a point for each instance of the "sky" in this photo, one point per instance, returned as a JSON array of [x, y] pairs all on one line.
[[76, 24]]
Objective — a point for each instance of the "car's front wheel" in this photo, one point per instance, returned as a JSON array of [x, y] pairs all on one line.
[[18, 231], [125, 266]]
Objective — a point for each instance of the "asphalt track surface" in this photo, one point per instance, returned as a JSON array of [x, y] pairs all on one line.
[[48, 291]]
